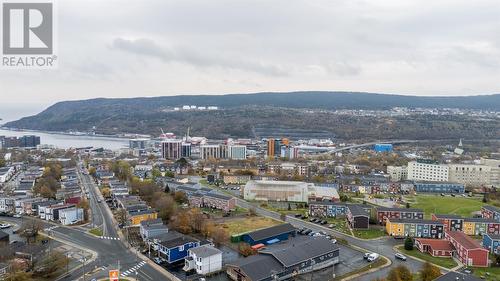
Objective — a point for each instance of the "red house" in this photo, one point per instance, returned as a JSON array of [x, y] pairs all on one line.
[[467, 250], [435, 247]]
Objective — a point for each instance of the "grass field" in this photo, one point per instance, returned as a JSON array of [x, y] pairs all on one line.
[[463, 206], [96, 231], [340, 224], [237, 226], [489, 273], [444, 262], [369, 233]]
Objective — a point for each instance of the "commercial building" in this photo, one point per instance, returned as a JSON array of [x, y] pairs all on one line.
[[383, 147], [274, 146], [171, 149], [29, 141], [426, 170], [138, 143], [415, 228], [490, 212], [210, 151], [491, 242], [439, 187], [285, 260], [397, 173], [186, 150], [237, 152], [467, 250], [291, 191], [269, 235], [384, 213], [450, 222], [204, 260], [71, 216]]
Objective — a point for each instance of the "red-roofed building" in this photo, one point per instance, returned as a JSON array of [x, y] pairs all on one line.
[[467, 250], [435, 247]]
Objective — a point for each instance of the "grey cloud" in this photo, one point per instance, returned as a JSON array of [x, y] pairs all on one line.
[[148, 47]]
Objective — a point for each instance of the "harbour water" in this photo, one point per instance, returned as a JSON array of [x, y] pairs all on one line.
[[70, 141]]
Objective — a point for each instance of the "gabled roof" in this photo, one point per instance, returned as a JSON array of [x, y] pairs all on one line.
[[436, 244], [386, 209], [271, 231], [179, 241], [205, 251], [464, 240]]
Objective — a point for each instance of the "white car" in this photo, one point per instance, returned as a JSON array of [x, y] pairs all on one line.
[[16, 216], [4, 225], [372, 257], [400, 256]]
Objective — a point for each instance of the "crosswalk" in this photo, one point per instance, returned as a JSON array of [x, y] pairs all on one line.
[[133, 269], [109, 238], [50, 228]]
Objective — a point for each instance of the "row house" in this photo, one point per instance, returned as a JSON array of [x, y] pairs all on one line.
[[490, 212], [149, 229], [43, 208], [414, 228], [7, 204], [467, 250], [358, 217], [434, 247], [219, 201], [450, 222], [384, 213], [332, 209], [492, 243], [480, 226], [24, 206], [52, 213]]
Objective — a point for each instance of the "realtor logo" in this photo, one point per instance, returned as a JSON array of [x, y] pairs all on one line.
[[28, 34]]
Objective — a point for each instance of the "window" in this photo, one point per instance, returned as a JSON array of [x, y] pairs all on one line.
[[181, 248]]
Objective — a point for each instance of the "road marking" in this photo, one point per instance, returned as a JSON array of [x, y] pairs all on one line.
[[50, 228], [133, 269], [109, 238]]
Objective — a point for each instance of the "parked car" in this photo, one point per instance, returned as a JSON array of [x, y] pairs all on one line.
[[334, 241], [158, 260], [4, 225], [331, 225], [16, 216], [372, 257], [323, 222], [365, 256], [400, 256], [307, 232]]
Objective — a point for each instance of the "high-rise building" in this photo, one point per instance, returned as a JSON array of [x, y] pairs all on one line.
[[171, 149], [138, 143], [210, 151], [274, 146], [237, 152], [426, 170], [186, 149]]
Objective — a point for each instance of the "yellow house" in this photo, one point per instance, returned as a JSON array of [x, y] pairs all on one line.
[[394, 228], [137, 217], [469, 228]]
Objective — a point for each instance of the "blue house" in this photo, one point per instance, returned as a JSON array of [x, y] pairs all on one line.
[[492, 243], [176, 249], [269, 235], [439, 187]]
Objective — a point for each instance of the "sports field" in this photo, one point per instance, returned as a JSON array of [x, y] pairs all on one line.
[[437, 204]]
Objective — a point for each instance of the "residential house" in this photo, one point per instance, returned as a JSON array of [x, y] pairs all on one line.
[[491, 212], [467, 250], [384, 213], [176, 249], [450, 222], [434, 247], [236, 179], [480, 226], [439, 187], [205, 259], [492, 243], [415, 228], [358, 217], [71, 215], [149, 229], [136, 217]]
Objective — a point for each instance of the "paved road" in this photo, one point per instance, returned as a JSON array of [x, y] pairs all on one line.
[[383, 246]]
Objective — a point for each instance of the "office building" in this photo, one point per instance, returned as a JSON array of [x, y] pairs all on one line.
[[171, 149], [138, 143], [397, 173], [470, 174], [237, 152], [210, 151], [274, 146]]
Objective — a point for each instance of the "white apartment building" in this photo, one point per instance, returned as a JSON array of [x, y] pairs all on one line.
[[427, 171], [494, 165], [470, 174], [397, 173]]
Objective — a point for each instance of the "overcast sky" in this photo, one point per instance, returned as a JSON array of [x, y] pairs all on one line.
[[159, 47]]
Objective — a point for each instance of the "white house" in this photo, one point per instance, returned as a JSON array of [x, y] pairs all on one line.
[[204, 259], [7, 204], [71, 216], [6, 173]]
